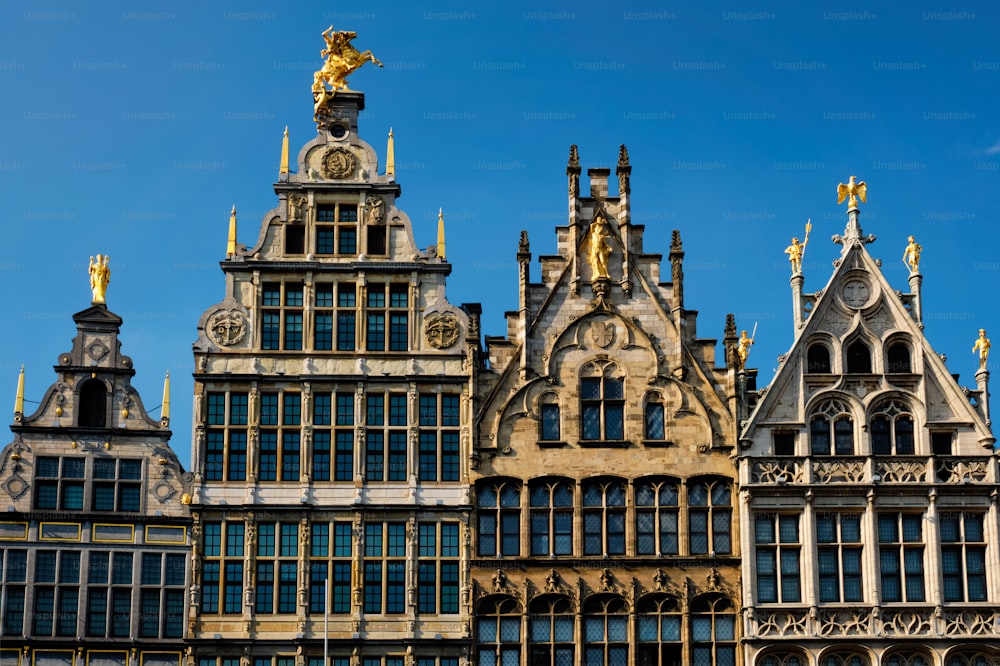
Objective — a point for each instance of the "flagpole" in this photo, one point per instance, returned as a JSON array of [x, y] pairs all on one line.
[[326, 621]]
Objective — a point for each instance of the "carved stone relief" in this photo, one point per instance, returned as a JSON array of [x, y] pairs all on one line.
[[227, 328]]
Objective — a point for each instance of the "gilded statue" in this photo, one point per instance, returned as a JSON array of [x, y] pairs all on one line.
[[911, 255], [743, 348], [983, 347], [600, 248], [852, 191], [341, 59], [794, 252], [100, 275]]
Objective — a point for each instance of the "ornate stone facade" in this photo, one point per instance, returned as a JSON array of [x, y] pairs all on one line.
[[868, 488], [94, 545]]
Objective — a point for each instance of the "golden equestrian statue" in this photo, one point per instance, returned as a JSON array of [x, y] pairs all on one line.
[[853, 190], [341, 59]]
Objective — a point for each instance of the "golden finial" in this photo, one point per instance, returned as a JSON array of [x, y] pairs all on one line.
[[854, 191], [165, 409], [283, 169], [231, 245], [100, 275], [440, 247], [911, 255], [19, 399], [390, 156]]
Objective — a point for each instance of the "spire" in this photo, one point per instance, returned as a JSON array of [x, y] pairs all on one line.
[[19, 400], [283, 169], [231, 245], [390, 156], [440, 247], [165, 408], [852, 191]]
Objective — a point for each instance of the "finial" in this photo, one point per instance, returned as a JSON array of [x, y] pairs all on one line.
[[622, 155], [574, 157], [911, 255], [983, 347], [19, 399], [165, 409], [283, 169], [100, 275], [523, 247], [440, 246], [675, 241], [852, 191], [390, 156], [231, 245]]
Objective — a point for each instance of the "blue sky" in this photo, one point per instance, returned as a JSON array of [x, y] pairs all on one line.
[[132, 128]]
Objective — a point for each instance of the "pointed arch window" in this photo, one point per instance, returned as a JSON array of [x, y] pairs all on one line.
[[906, 658], [604, 517], [968, 659], [551, 518], [710, 515], [656, 517], [713, 631], [891, 429], [602, 402], [499, 523], [498, 632], [844, 659], [831, 417], [898, 358], [653, 418], [605, 631], [93, 404], [818, 359], [859, 358], [781, 659], [551, 632], [658, 629]]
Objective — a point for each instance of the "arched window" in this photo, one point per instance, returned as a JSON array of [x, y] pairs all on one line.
[[968, 659], [906, 658], [653, 417], [498, 632], [602, 402], [658, 629], [551, 518], [710, 514], [499, 505], [818, 359], [843, 659], [781, 659], [656, 508], [550, 418], [604, 517], [859, 358], [897, 358], [891, 428], [550, 631], [605, 631], [713, 631], [93, 404], [831, 415]]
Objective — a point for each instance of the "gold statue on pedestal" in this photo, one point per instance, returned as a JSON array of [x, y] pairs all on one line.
[[600, 249], [854, 190], [911, 255], [341, 60], [743, 347], [983, 347], [100, 275], [796, 251]]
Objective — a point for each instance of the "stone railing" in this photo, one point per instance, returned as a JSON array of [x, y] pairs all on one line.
[[871, 470], [892, 622]]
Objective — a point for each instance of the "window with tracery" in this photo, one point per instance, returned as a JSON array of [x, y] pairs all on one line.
[[605, 631], [844, 659], [656, 517], [602, 402], [891, 428], [906, 658], [713, 631], [604, 517], [781, 659], [498, 632], [658, 631], [551, 632], [551, 504], [499, 522], [831, 417], [710, 515]]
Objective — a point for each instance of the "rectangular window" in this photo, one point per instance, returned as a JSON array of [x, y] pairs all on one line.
[[839, 538], [963, 556], [346, 316], [438, 454], [777, 552], [901, 557], [550, 422]]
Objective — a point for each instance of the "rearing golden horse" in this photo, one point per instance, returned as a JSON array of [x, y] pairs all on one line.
[[341, 58]]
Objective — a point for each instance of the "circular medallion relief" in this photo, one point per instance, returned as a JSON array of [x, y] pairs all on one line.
[[339, 163], [855, 293], [441, 330], [227, 328]]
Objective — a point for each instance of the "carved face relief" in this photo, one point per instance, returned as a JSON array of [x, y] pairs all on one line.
[[339, 163], [227, 328], [441, 331]]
